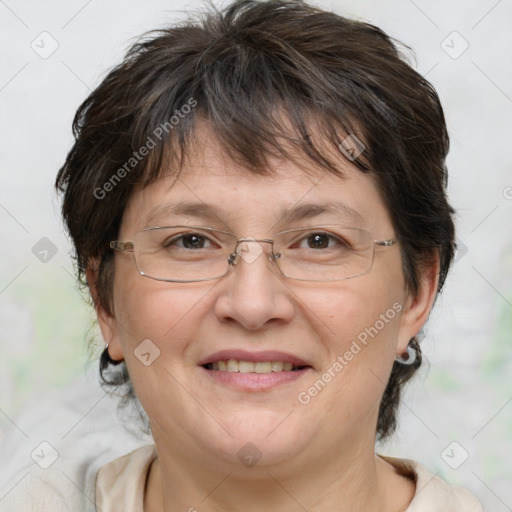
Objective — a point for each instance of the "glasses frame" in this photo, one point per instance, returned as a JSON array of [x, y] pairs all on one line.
[[234, 257]]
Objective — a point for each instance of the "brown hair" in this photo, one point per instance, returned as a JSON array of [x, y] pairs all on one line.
[[238, 68]]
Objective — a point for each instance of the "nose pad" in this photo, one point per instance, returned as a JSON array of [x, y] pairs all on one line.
[[249, 249]]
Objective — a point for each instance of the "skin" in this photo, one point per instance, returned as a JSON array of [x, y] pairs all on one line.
[[318, 456]]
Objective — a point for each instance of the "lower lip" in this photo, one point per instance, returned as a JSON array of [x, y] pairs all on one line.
[[255, 381]]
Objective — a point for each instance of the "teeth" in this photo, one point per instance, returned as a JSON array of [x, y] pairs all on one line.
[[233, 366], [263, 367], [245, 366], [276, 366]]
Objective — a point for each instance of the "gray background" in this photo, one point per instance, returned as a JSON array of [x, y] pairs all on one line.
[[47, 373]]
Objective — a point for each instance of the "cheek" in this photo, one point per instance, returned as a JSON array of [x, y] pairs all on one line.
[[149, 309], [344, 313], [357, 326], [158, 324]]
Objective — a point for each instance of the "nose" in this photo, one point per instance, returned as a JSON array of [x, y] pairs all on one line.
[[253, 294]]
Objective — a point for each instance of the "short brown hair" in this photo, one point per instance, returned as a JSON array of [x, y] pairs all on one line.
[[236, 68]]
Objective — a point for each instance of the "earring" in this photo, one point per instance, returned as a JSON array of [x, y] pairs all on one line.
[[106, 360], [409, 358], [112, 372]]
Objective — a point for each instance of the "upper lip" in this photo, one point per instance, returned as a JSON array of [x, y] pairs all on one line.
[[244, 355]]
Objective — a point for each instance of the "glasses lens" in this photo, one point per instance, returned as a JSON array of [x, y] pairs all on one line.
[[328, 253], [183, 253], [192, 253]]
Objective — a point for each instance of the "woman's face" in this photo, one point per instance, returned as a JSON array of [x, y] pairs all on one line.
[[348, 332]]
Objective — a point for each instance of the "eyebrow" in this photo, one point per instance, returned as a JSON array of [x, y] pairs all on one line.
[[206, 211]]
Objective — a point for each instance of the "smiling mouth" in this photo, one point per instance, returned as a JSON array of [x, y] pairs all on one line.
[[235, 366]]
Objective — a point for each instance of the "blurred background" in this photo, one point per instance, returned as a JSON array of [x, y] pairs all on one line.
[[457, 414]]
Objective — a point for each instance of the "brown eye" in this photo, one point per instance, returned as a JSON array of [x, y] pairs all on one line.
[[318, 241], [322, 240], [188, 241], [193, 241]]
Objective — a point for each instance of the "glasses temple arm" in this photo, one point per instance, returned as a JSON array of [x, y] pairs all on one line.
[[121, 246], [386, 243]]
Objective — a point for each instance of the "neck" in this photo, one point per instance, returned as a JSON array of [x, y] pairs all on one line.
[[349, 480]]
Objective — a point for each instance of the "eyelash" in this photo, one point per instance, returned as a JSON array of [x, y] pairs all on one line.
[[177, 238]]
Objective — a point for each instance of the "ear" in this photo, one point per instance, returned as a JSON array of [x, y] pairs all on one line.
[[106, 320], [418, 306]]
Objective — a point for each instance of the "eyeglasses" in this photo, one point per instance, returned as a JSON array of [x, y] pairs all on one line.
[[195, 253]]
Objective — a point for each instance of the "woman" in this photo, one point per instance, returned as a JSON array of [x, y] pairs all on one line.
[[257, 203]]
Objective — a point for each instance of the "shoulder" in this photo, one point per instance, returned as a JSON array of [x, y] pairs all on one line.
[[56, 489], [433, 494], [81, 433], [120, 484], [80, 484]]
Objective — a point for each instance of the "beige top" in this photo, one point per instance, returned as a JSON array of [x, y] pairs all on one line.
[[120, 486]]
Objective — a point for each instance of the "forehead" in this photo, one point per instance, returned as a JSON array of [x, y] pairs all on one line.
[[213, 189]]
